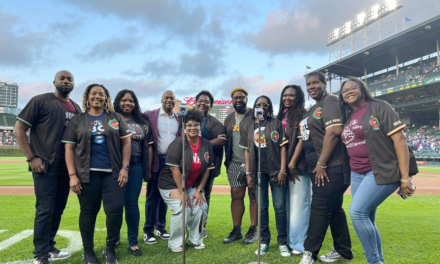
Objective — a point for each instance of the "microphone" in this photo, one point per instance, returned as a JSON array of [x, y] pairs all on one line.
[[259, 114]]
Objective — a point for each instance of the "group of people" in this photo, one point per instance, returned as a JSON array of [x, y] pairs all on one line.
[[308, 159]]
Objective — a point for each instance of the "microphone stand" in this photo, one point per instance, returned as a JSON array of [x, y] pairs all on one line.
[[259, 193], [183, 189]]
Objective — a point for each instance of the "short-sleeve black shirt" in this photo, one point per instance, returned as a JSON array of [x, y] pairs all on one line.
[[46, 116], [79, 132]]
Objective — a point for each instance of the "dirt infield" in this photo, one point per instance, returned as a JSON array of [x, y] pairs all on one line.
[[11, 161], [425, 186]]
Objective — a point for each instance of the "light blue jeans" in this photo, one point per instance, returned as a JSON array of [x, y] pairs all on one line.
[[367, 196], [195, 219], [299, 202]]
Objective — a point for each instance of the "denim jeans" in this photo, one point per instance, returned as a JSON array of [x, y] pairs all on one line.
[[367, 196], [132, 192], [52, 191], [102, 188], [155, 207], [327, 211], [195, 219], [299, 202], [279, 204]]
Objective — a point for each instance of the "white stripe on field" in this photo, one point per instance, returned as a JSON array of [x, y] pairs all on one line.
[[3, 230]]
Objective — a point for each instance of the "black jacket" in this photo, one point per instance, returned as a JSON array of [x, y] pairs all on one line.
[[79, 132], [379, 123], [229, 126], [275, 139], [174, 159], [46, 116]]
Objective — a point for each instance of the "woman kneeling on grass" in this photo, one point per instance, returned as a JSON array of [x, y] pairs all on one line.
[[380, 160], [98, 147], [198, 163]]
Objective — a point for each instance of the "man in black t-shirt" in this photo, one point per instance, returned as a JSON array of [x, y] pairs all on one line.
[[48, 115]]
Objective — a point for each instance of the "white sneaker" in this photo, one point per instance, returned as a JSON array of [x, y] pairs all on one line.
[[284, 251], [263, 249], [176, 250], [307, 258], [333, 256], [55, 254], [296, 252], [201, 246]]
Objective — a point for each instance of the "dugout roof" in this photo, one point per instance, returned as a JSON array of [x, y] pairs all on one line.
[[408, 45]]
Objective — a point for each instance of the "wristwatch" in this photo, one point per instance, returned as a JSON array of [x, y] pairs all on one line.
[[201, 191], [126, 166], [248, 173]]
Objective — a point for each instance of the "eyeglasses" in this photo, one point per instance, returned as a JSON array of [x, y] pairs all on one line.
[[262, 105], [194, 125], [353, 88], [203, 102], [236, 98]]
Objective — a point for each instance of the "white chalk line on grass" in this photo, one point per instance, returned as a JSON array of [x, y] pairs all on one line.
[[74, 238], [2, 231]]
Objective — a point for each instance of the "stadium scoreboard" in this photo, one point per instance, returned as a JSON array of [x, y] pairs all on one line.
[[8, 95]]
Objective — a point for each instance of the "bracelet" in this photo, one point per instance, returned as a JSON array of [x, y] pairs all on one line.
[[72, 174], [285, 173], [410, 179], [30, 159], [248, 173], [321, 166]]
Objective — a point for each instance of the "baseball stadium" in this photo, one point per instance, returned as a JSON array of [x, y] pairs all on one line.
[[402, 69]]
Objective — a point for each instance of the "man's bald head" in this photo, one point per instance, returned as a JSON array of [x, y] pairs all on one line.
[[168, 101], [64, 82]]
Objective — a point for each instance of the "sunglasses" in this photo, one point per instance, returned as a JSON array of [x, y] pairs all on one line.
[[194, 125], [262, 105]]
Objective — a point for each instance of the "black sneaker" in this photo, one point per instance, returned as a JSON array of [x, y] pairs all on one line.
[[136, 252], [109, 255], [235, 235], [42, 260], [163, 234], [149, 239], [90, 258], [251, 235]]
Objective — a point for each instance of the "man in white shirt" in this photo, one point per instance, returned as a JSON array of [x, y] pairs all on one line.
[[165, 128]]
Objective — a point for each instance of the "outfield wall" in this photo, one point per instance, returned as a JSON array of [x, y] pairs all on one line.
[[10, 151]]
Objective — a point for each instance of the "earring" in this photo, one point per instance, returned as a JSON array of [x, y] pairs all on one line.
[[105, 106], [87, 105]]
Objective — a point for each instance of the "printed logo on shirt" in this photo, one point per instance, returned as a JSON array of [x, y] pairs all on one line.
[[98, 129], [114, 124], [207, 156], [99, 139], [236, 128], [136, 131], [274, 136], [146, 129], [374, 123], [304, 129], [318, 113], [260, 139], [196, 159], [348, 135]]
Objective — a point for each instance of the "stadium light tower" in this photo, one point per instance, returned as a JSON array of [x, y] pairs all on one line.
[[346, 34]]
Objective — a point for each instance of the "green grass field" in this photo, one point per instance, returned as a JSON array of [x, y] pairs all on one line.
[[18, 175], [409, 230]]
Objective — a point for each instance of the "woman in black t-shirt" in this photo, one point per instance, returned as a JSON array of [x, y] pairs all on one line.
[[98, 147], [321, 130], [127, 104]]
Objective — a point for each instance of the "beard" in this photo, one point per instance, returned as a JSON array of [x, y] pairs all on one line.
[[241, 109], [64, 89]]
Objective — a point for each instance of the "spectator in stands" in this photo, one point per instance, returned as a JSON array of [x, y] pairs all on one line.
[[380, 160], [48, 115]]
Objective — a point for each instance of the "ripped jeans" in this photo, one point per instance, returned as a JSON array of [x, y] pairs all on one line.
[[195, 219]]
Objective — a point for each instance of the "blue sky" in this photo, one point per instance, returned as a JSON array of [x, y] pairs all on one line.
[[185, 46]]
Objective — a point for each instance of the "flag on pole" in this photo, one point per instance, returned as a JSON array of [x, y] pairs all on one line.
[[407, 19], [308, 67]]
